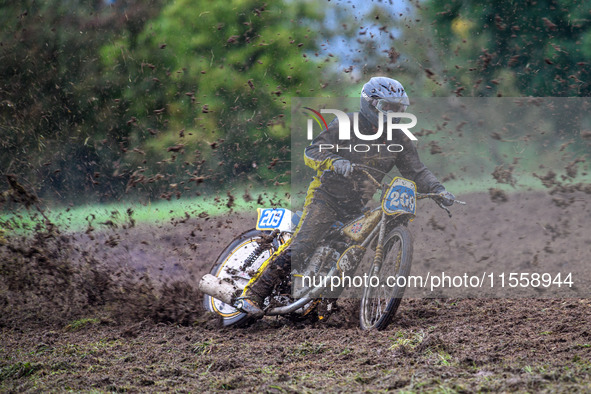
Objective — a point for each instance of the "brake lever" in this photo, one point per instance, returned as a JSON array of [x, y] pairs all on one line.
[[444, 207], [370, 177]]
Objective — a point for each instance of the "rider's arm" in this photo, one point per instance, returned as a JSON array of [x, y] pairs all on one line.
[[320, 155], [411, 167]]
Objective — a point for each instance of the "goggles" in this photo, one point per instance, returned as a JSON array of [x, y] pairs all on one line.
[[391, 104]]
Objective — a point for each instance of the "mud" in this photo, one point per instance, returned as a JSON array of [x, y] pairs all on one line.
[[118, 310]]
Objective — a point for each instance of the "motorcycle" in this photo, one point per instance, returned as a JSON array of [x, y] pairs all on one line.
[[382, 230]]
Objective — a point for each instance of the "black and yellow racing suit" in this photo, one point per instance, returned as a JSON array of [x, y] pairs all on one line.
[[332, 197]]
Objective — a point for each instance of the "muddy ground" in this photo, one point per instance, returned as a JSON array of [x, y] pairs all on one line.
[[117, 310]]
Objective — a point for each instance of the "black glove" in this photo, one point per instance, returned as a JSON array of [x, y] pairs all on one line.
[[342, 167], [446, 198]]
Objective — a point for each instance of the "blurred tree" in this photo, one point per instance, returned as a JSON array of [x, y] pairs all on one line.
[[96, 100], [208, 87], [511, 48], [53, 97], [539, 47]]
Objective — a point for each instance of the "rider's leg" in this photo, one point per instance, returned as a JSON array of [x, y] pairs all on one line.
[[316, 220], [263, 284]]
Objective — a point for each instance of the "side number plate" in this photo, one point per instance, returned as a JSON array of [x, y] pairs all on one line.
[[271, 218]]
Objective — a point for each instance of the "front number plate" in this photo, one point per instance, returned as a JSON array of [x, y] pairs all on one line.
[[401, 197]]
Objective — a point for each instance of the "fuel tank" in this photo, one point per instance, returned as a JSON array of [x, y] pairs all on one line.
[[360, 228]]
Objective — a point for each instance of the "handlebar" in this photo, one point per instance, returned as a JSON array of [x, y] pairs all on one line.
[[420, 196], [435, 196]]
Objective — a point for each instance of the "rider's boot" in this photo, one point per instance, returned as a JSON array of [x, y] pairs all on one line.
[[252, 299], [249, 305]]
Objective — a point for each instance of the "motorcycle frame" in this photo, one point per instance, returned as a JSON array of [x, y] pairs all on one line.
[[380, 228]]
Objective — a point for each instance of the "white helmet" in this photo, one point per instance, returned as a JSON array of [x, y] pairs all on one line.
[[382, 94]]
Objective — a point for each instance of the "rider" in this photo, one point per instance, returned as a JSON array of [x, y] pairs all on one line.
[[332, 195]]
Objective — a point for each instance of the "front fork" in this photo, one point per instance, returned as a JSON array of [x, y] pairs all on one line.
[[379, 256], [266, 240]]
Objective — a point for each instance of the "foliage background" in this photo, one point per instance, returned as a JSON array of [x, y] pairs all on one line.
[[104, 101]]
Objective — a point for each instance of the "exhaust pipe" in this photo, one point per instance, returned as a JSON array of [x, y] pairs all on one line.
[[218, 288]]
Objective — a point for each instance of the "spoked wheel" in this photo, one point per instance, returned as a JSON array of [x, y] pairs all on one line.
[[379, 304], [230, 265]]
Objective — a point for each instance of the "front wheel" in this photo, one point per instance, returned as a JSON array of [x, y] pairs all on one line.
[[230, 265], [379, 304]]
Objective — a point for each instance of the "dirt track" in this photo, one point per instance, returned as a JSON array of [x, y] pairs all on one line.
[[132, 340]]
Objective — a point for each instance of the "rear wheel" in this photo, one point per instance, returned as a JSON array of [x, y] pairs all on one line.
[[230, 265], [379, 304]]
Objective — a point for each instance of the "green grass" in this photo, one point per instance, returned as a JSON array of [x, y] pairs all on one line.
[[524, 182], [407, 340], [204, 347], [308, 348], [127, 214], [18, 370], [81, 323]]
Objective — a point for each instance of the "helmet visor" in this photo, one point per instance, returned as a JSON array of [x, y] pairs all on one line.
[[392, 104]]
